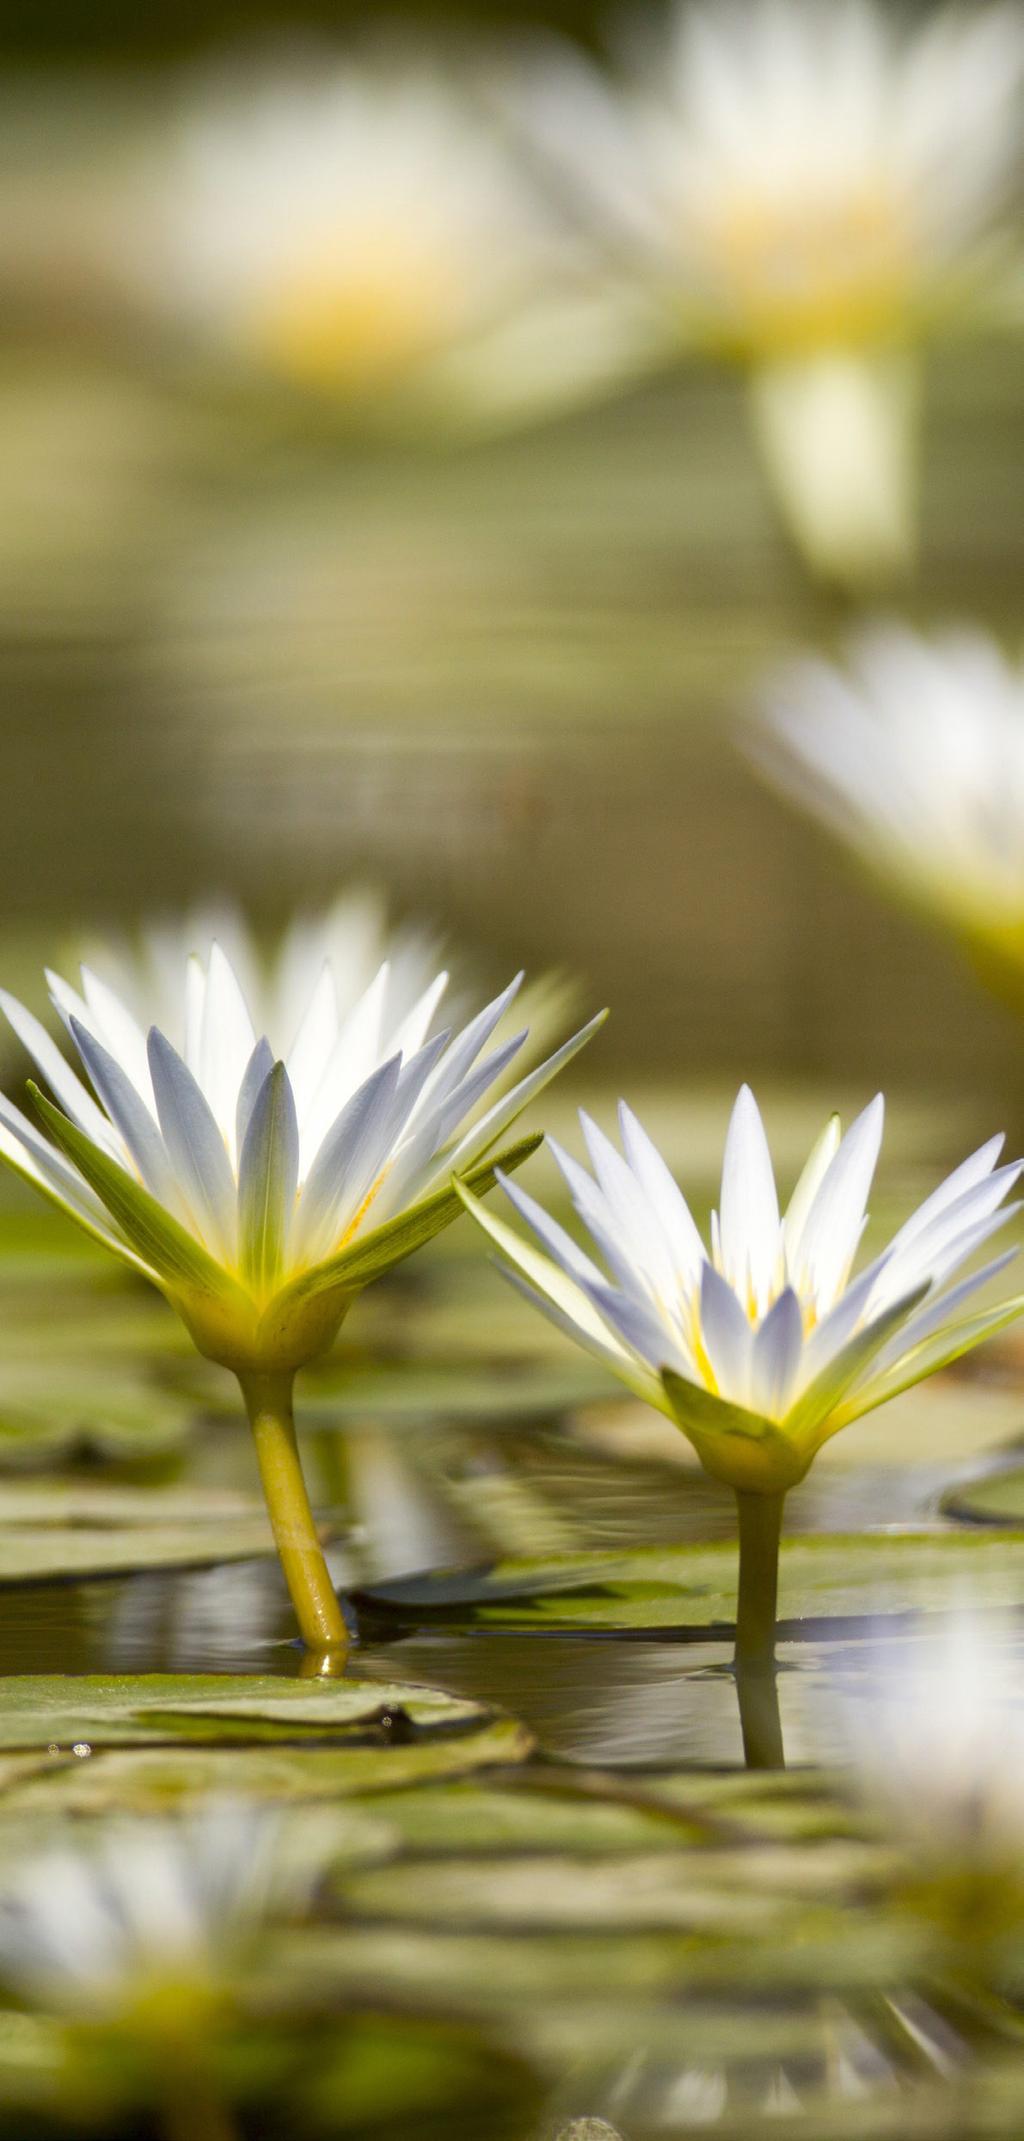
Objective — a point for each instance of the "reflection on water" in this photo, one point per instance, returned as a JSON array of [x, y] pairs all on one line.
[[622, 1703]]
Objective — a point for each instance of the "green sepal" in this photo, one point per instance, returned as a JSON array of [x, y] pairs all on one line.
[[389, 1244], [933, 1353], [181, 1262], [742, 1448], [822, 1397]]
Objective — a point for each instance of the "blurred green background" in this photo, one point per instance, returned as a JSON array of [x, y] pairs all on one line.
[[506, 676]]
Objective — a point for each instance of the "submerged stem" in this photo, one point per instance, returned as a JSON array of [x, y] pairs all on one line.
[[268, 1401], [760, 1528]]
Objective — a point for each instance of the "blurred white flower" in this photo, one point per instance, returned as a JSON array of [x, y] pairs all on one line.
[[936, 1739], [808, 189], [355, 227], [355, 938], [913, 753], [154, 1907], [764, 1345]]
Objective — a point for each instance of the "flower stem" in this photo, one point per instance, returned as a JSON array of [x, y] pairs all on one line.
[[268, 1400], [760, 1525]]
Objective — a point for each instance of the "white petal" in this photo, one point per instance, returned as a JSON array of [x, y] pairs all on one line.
[[268, 1174], [195, 1147], [640, 1328], [836, 1218], [410, 1035], [622, 1252], [749, 1212], [467, 1044], [819, 1160], [636, 1223], [561, 1246], [606, 1348], [348, 1162], [257, 1071], [978, 1168], [660, 1186], [540, 1272], [311, 1050], [226, 1042], [356, 1053], [486, 1132], [120, 1097], [928, 1253], [831, 1334], [727, 1336], [938, 1310], [59, 1076], [778, 1346], [118, 1032]]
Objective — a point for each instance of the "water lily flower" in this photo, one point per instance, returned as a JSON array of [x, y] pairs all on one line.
[[353, 228], [807, 191], [155, 1908], [764, 1343], [260, 1184], [934, 1731], [913, 753], [135, 1943]]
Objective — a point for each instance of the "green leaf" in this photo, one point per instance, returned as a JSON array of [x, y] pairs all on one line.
[[58, 1530], [549, 1817], [51, 1408], [172, 1252], [167, 1708], [691, 1588], [387, 1245], [365, 1759]]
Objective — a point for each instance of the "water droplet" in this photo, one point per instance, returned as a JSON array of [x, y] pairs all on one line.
[[81, 1748]]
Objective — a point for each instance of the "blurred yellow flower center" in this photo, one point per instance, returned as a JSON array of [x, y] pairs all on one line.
[[804, 272], [349, 320]]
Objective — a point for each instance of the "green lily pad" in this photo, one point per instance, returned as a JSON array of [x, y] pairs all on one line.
[[57, 1529], [58, 1407], [484, 1392], [997, 1498], [548, 1817], [695, 1890], [584, 1995], [57, 1711], [160, 1780], [694, 1587]]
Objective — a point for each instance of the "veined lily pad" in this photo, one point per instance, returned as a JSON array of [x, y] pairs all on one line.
[[693, 1588]]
